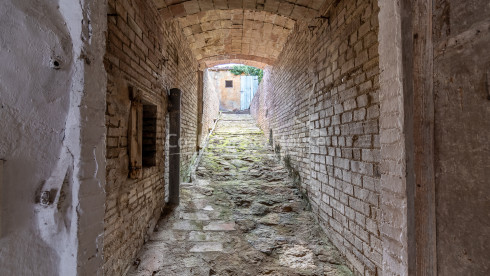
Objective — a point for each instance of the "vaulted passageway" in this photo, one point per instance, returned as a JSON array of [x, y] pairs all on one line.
[[377, 108]]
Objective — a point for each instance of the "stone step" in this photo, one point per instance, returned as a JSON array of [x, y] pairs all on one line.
[[207, 247], [220, 226], [194, 216]]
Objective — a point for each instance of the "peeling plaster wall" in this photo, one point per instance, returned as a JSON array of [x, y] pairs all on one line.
[[52, 138], [229, 97]]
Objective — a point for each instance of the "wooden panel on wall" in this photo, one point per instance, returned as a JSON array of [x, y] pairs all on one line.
[[135, 135]]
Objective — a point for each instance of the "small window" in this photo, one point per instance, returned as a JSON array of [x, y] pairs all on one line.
[[149, 135], [229, 83]]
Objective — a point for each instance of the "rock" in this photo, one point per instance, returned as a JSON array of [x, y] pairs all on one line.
[[246, 225], [207, 247], [240, 190], [223, 163], [204, 190], [258, 209], [270, 219], [286, 208], [255, 173], [187, 225], [274, 177], [281, 240], [201, 182], [252, 256], [197, 236], [264, 231], [220, 226], [297, 256], [194, 216], [330, 257], [239, 163], [241, 202], [248, 159], [267, 201], [333, 270], [263, 245], [193, 262]]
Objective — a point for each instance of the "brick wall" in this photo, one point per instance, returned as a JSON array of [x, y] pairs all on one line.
[[210, 103], [321, 101], [151, 56], [258, 107]]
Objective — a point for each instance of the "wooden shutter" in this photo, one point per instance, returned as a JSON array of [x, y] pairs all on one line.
[[135, 133]]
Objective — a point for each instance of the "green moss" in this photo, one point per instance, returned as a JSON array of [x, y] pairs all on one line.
[[225, 214], [211, 163], [344, 270], [199, 224]]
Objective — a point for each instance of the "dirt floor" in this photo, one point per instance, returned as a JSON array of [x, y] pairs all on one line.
[[243, 215]]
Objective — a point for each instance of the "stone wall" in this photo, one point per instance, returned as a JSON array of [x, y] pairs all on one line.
[[149, 55], [321, 100]]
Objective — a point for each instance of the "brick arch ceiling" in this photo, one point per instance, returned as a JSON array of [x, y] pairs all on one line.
[[294, 9], [230, 59], [236, 34], [244, 31]]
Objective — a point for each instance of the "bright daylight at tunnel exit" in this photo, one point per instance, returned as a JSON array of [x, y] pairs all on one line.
[[244, 138]]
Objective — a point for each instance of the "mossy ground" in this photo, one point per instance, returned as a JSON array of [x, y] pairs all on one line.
[[244, 215]]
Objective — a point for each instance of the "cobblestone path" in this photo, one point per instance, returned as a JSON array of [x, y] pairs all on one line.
[[242, 215]]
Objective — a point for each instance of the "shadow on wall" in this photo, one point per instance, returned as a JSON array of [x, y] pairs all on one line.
[[292, 171]]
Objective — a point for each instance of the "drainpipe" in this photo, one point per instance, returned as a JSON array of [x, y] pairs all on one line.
[[174, 146]]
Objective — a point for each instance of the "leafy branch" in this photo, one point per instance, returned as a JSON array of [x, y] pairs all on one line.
[[248, 71]]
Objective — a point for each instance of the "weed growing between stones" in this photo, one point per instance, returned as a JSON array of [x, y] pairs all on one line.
[[296, 177]]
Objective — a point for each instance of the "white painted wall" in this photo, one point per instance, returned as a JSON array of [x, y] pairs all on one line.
[[394, 221], [52, 136]]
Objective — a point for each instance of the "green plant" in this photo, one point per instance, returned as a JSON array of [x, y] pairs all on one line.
[[248, 71]]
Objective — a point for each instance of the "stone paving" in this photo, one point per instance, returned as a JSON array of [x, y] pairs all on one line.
[[242, 215]]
